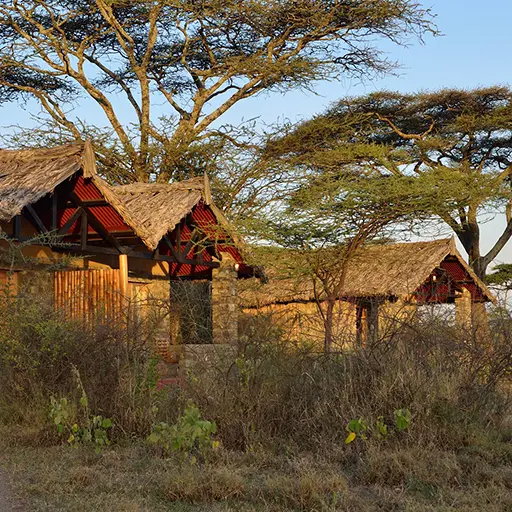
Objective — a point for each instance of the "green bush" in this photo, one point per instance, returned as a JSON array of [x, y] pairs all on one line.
[[189, 438]]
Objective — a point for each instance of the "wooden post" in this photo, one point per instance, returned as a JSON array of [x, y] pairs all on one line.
[[54, 210], [361, 330], [16, 230], [373, 321], [123, 275]]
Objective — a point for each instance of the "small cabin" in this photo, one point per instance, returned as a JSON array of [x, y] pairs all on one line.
[[101, 253], [384, 286]]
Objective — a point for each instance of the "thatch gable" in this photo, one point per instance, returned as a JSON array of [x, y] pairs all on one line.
[[156, 209], [152, 210], [393, 270], [28, 175]]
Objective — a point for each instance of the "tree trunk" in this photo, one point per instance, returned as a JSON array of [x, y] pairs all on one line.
[[479, 265], [328, 326]]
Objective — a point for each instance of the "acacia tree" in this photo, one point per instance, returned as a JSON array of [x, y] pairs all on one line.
[[184, 61], [325, 224], [448, 153]]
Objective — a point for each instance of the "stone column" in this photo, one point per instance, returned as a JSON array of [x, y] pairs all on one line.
[[225, 302], [463, 312], [480, 322]]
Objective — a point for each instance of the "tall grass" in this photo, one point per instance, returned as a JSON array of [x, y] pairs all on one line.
[[39, 349], [272, 396], [452, 382]]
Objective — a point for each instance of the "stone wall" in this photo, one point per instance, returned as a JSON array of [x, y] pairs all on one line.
[[301, 323], [225, 302], [200, 359], [36, 283]]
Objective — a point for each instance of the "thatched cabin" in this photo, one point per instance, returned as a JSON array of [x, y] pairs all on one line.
[[127, 243], [383, 286]]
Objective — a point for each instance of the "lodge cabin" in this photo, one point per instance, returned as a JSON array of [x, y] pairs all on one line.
[[385, 286], [109, 246]]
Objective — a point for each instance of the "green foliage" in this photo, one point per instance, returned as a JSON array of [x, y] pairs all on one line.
[[381, 429], [358, 429], [501, 275], [59, 412], [189, 437], [442, 155], [89, 429], [403, 419], [93, 430], [198, 58]]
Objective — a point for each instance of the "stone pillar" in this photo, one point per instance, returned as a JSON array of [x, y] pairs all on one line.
[[463, 311], [225, 302], [480, 322]]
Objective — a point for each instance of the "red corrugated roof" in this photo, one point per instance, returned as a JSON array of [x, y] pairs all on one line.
[[86, 190], [432, 292], [202, 217]]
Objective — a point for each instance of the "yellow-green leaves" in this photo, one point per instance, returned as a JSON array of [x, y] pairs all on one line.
[[380, 429], [350, 437]]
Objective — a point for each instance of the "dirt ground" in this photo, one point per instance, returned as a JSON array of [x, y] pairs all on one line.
[[7, 503]]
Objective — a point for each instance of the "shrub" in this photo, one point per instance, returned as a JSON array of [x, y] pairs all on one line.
[[426, 384], [190, 437], [38, 351]]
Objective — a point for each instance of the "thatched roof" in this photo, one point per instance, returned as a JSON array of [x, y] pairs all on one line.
[[28, 175], [156, 209], [393, 270], [151, 210]]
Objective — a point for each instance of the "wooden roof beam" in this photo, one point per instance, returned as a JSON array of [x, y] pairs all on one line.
[[97, 225]]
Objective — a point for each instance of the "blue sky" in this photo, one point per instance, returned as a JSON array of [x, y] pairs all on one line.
[[474, 51]]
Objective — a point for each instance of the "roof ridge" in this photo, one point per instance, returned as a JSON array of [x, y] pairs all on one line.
[[41, 153], [437, 241]]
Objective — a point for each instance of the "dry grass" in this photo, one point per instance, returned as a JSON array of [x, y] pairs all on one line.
[[394, 479], [281, 419]]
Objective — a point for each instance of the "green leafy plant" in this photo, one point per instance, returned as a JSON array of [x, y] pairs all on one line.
[[403, 419], [359, 429], [189, 437], [381, 428], [356, 428], [60, 412], [95, 431], [92, 428]]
